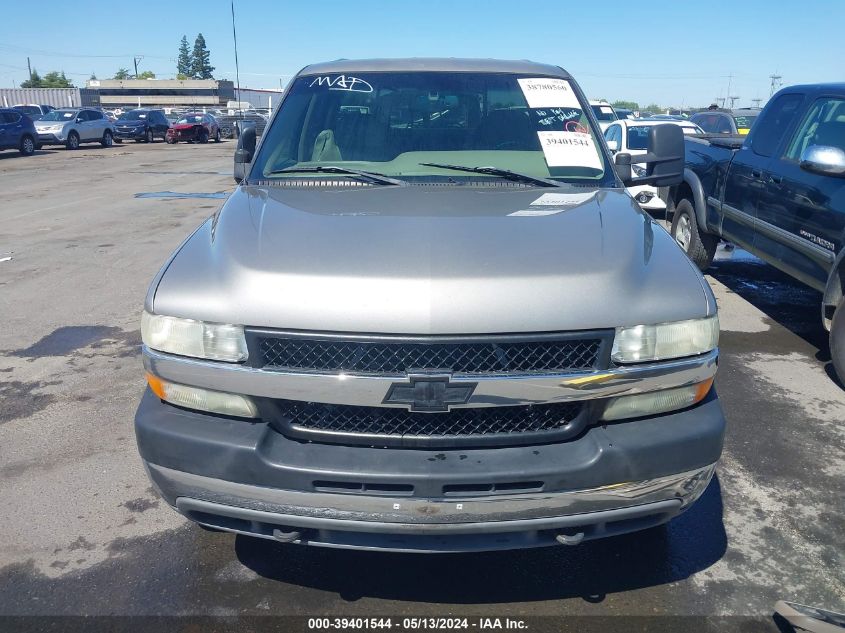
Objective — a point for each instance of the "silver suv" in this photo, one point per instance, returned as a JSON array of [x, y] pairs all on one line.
[[73, 126], [431, 318]]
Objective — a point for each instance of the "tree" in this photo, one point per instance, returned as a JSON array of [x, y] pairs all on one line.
[[182, 76], [55, 79], [628, 105], [201, 67], [653, 107], [93, 77], [183, 62], [122, 73], [147, 74], [33, 82]]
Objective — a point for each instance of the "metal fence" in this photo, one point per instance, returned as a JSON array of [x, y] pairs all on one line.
[[56, 97]]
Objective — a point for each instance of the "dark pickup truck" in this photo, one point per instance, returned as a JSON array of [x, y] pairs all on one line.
[[778, 192]]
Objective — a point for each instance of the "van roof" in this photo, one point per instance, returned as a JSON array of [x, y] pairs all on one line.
[[435, 64]]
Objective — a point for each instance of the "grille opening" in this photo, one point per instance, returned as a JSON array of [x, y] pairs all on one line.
[[453, 490], [489, 356], [390, 426], [369, 488]]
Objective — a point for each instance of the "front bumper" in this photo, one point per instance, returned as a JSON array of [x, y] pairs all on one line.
[[246, 477], [51, 138], [137, 133], [647, 197]]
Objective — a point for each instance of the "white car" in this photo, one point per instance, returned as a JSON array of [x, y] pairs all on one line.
[[631, 136], [73, 126], [605, 114]]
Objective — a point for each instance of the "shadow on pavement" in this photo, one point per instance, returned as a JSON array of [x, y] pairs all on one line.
[[783, 299], [688, 544]]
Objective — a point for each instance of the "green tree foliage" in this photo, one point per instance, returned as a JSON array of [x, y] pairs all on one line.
[[53, 79], [183, 62], [628, 105], [147, 74], [122, 73], [653, 107], [33, 82], [93, 77], [56, 79], [201, 67]]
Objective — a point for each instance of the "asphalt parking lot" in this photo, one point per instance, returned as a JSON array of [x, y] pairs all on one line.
[[83, 533]]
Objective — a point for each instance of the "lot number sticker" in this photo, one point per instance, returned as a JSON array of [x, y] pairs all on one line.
[[548, 93], [569, 149]]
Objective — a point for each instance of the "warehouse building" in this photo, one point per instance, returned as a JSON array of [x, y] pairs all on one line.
[[113, 93]]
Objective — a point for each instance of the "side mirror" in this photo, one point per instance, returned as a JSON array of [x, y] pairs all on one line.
[[244, 152], [613, 146], [664, 159], [824, 160]]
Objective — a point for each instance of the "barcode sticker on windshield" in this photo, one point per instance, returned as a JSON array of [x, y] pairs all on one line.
[[569, 149], [548, 93]]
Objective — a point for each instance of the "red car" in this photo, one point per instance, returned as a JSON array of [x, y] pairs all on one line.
[[194, 127]]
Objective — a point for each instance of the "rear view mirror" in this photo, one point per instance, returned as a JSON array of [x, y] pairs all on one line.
[[244, 152], [664, 159], [824, 160]]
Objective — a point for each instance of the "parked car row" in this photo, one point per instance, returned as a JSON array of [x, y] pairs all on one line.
[[73, 127]]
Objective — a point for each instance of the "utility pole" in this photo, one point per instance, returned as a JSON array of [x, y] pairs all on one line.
[[733, 101], [730, 79], [29, 67], [136, 60], [756, 102], [776, 83]]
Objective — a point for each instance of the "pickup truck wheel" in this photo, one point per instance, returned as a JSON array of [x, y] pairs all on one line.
[[837, 340], [699, 247]]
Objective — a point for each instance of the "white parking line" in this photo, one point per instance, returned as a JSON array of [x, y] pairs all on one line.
[[56, 206]]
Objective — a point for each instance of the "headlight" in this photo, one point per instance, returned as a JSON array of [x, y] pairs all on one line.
[[186, 337], [666, 340], [203, 399], [655, 402], [638, 171]]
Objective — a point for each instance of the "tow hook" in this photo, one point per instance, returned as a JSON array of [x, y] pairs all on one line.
[[287, 537], [570, 539]]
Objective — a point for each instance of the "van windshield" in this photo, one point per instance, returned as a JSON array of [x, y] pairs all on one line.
[[391, 122]]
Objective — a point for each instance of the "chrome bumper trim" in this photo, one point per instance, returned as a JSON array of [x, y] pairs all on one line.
[[398, 514], [490, 391]]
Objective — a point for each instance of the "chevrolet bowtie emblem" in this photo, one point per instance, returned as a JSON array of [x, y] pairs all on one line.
[[429, 393]]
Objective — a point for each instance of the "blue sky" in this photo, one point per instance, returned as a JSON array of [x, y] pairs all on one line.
[[673, 53]]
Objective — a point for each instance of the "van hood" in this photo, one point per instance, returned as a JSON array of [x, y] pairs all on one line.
[[431, 260]]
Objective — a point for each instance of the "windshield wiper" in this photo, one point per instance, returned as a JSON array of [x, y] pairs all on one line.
[[502, 173], [374, 177]]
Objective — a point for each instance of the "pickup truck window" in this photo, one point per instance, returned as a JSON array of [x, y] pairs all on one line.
[[391, 122], [823, 125], [774, 122]]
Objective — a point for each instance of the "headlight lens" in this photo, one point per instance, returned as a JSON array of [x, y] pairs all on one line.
[[203, 399], [186, 337], [639, 171], [665, 340], [656, 402]]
